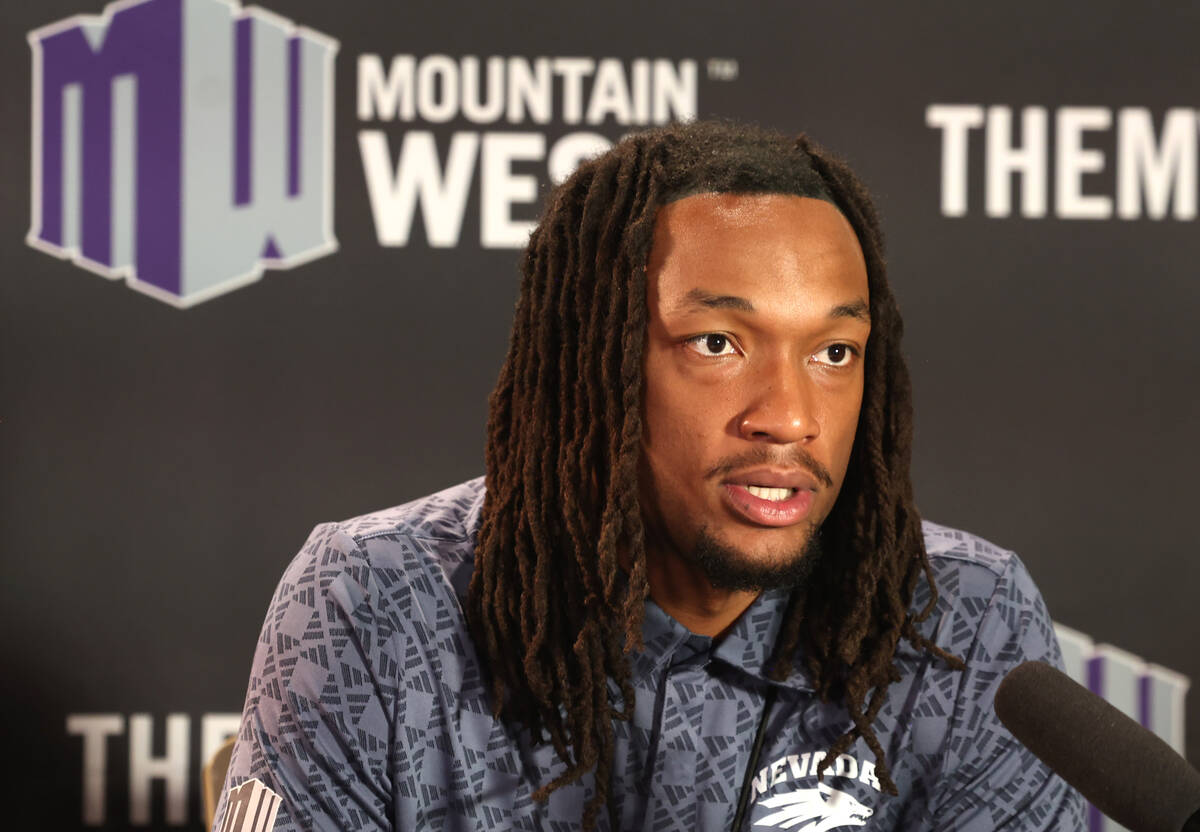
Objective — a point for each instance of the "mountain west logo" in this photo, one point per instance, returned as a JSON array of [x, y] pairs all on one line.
[[814, 810], [183, 145], [251, 808]]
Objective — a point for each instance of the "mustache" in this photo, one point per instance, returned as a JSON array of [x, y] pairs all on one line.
[[796, 457]]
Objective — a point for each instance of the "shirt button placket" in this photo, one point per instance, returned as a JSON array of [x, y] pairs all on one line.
[[674, 789]]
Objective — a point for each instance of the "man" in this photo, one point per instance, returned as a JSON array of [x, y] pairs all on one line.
[[695, 592]]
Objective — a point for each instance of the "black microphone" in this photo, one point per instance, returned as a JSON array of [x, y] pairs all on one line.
[[1126, 771]]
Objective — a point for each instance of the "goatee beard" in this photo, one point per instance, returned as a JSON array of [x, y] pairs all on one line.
[[729, 568]]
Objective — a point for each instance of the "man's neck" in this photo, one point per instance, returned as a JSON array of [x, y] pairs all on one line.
[[689, 597]]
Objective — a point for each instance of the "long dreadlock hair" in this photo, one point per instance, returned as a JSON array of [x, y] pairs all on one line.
[[552, 612]]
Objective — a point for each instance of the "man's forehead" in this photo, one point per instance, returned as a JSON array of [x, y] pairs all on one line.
[[751, 253], [706, 225], [734, 208]]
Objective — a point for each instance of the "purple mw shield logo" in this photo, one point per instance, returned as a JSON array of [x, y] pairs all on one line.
[[183, 145]]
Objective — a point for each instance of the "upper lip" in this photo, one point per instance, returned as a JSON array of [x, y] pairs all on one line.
[[797, 478]]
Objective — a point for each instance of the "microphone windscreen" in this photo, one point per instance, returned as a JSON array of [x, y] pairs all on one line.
[[1126, 771]]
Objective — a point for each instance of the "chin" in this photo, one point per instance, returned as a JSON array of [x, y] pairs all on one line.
[[729, 567]]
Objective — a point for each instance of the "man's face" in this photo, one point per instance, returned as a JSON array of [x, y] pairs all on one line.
[[753, 368]]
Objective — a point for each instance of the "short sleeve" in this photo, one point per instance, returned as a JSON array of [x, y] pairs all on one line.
[[991, 781], [318, 715]]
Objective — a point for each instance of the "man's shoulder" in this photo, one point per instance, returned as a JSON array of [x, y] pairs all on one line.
[[426, 545], [973, 574], [952, 549], [451, 514]]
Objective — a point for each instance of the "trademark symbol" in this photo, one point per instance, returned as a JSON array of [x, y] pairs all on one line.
[[722, 69]]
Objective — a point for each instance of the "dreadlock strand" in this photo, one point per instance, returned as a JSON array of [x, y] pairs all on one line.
[[608, 259], [545, 405], [573, 415], [600, 755]]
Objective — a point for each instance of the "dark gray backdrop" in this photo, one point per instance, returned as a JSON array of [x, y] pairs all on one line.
[[160, 466]]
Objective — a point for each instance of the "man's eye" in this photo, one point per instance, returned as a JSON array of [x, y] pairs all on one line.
[[712, 343], [836, 355]]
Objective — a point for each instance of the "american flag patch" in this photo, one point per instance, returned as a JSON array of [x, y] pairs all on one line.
[[251, 808]]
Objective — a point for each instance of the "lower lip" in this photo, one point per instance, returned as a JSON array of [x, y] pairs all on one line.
[[768, 512]]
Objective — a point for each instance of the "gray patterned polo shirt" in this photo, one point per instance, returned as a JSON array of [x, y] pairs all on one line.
[[367, 708]]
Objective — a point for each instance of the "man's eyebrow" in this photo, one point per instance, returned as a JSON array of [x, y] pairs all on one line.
[[707, 300], [858, 309]]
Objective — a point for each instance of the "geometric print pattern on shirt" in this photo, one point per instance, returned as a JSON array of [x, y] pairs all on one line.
[[367, 707]]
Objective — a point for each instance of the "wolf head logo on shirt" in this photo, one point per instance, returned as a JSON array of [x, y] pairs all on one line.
[[814, 810]]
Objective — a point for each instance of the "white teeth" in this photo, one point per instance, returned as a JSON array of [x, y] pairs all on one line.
[[775, 495]]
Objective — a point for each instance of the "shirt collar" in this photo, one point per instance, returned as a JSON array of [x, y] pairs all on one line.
[[745, 647]]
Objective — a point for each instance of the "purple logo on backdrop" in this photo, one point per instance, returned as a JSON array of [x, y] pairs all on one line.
[[1152, 695], [184, 145]]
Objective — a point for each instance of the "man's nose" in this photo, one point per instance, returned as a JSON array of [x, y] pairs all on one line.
[[782, 406]]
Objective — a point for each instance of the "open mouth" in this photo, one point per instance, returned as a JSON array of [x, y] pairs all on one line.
[[775, 495], [768, 505]]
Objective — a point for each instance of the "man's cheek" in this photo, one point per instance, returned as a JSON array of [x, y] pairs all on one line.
[[675, 438]]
